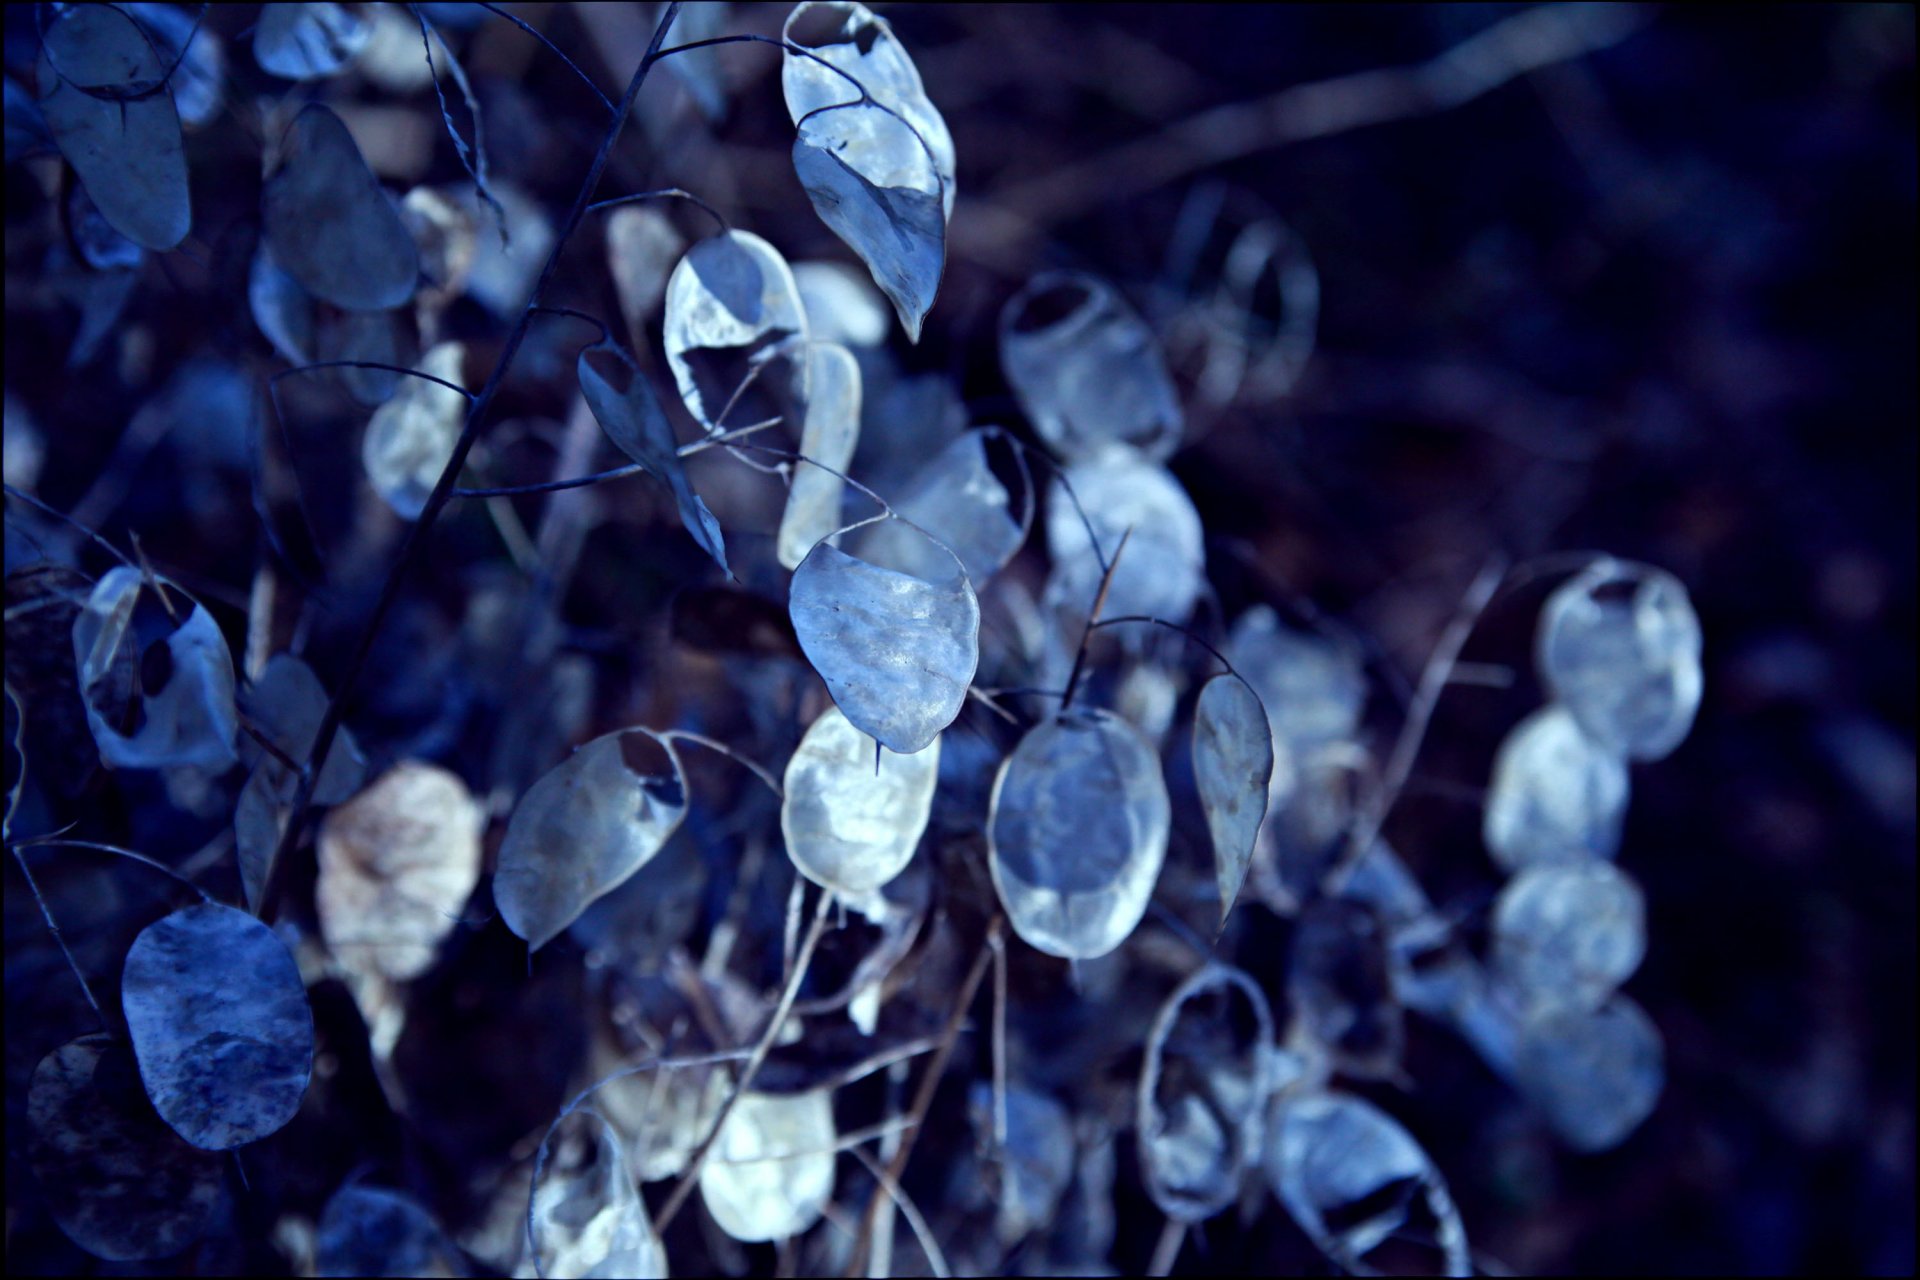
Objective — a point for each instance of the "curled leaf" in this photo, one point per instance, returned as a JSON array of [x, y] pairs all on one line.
[[397, 864], [827, 436], [770, 1174], [1232, 767], [581, 830], [308, 41], [1619, 645], [586, 1218], [1202, 1101], [1595, 1074], [623, 403], [851, 821], [1087, 370], [873, 182], [1077, 833], [219, 1022], [98, 74], [897, 651], [184, 714], [732, 295], [411, 436], [121, 1184], [1556, 794], [331, 226], [1349, 1174]]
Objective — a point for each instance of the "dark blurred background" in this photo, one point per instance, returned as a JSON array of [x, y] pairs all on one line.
[[1656, 297]]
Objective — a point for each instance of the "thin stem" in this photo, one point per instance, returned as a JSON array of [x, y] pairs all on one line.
[[46, 914], [1093, 619], [62, 516], [413, 545], [665, 193], [476, 167], [1166, 1251], [936, 1260], [688, 1179], [1171, 626], [606, 335], [554, 49], [612, 473], [923, 1096], [61, 842], [758, 770], [1413, 732], [369, 364]]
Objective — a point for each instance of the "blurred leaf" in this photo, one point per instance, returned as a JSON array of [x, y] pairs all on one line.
[[1077, 833], [1087, 370], [220, 1025], [957, 498], [331, 226], [122, 1185], [397, 864], [282, 310], [1595, 1074], [1556, 794], [1619, 645], [98, 74], [1164, 567], [372, 1231], [1568, 933], [410, 438], [308, 41]]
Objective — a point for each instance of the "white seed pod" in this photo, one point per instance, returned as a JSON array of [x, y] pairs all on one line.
[[1619, 644], [1092, 378], [1077, 832], [1568, 933], [828, 435], [958, 499], [1557, 795], [1312, 687], [852, 821], [770, 1173], [1201, 1105], [411, 436]]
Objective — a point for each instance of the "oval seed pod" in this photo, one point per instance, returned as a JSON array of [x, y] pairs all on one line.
[[219, 1023], [958, 499], [410, 437], [121, 1184], [331, 226], [1087, 370], [827, 436], [852, 821], [1568, 933], [1557, 795], [1595, 1074], [1619, 644], [1349, 1173], [580, 831], [896, 651], [770, 1173], [1077, 831], [1201, 1104]]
